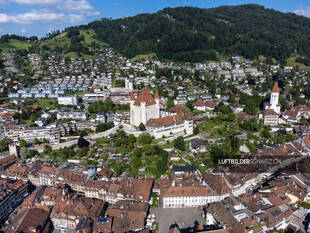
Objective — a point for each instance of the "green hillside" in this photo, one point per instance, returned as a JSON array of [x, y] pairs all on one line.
[[14, 44], [192, 34]]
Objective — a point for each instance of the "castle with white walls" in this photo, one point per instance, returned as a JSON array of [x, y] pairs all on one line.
[[143, 108], [146, 109]]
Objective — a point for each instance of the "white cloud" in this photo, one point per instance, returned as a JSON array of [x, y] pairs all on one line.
[[72, 11], [304, 12], [33, 16], [23, 31], [80, 5], [34, 2], [73, 18]]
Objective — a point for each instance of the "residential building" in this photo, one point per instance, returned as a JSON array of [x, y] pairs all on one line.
[[270, 117], [77, 115], [12, 193], [31, 220], [68, 100]]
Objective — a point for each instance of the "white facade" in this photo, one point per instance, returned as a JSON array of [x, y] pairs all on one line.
[[143, 108], [79, 115], [193, 200], [52, 134], [274, 99], [128, 84], [177, 128], [142, 113], [68, 100]]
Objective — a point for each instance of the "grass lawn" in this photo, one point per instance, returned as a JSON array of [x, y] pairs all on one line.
[[305, 205], [144, 56], [292, 62], [90, 36], [15, 44], [102, 141], [47, 103], [166, 146]]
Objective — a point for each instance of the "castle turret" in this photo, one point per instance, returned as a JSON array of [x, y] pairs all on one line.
[[132, 100], [157, 100]]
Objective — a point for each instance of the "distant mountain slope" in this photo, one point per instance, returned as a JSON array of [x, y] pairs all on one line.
[[187, 33], [194, 34]]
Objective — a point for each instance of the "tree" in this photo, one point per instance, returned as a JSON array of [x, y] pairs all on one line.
[[36, 141], [27, 154], [235, 144], [196, 130], [22, 143], [145, 139], [266, 132], [4, 144], [223, 108], [82, 142], [170, 102], [47, 149], [219, 152], [142, 127], [104, 126], [179, 143]]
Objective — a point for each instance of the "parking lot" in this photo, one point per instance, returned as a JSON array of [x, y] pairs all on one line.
[[184, 217]]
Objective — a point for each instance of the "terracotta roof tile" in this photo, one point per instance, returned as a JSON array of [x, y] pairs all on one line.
[[146, 97], [270, 112], [275, 88], [169, 120]]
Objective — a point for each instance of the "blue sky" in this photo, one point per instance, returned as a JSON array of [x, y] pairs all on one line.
[[37, 17]]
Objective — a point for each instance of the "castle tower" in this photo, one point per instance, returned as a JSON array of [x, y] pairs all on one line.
[[157, 100], [274, 98], [144, 107], [132, 100], [13, 149]]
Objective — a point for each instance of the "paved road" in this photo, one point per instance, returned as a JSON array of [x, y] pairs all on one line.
[[127, 128]]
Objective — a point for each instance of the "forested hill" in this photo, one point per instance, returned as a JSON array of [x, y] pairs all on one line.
[[194, 34], [187, 33]]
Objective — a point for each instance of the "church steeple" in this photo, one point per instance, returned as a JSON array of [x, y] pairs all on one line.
[[275, 88], [274, 98]]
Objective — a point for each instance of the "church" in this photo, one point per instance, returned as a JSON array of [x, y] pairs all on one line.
[[272, 109], [274, 99], [146, 109]]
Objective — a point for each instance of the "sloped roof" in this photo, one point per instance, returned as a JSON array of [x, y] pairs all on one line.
[[169, 120], [275, 88], [270, 112], [146, 97]]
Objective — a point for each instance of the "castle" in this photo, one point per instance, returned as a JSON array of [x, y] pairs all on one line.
[[144, 108]]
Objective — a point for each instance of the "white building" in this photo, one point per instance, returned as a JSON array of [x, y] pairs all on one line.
[[50, 133], [146, 109], [68, 100], [274, 99], [180, 124], [78, 115], [128, 84], [189, 196], [143, 108]]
